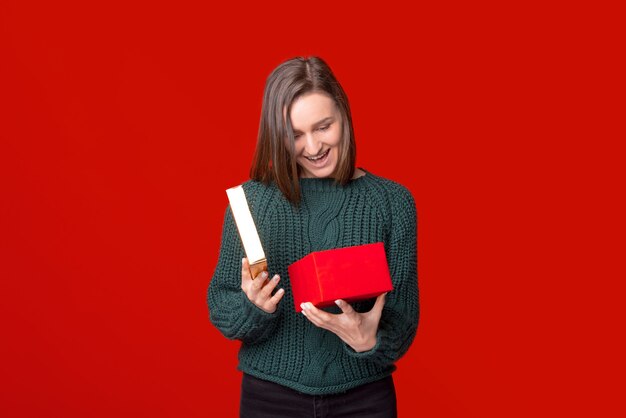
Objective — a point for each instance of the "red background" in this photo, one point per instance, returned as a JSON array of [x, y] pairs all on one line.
[[123, 123]]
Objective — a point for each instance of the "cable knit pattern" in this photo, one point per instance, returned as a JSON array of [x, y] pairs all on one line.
[[284, 347]]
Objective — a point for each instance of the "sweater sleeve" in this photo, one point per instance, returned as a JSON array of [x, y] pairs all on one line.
[[400, 316], [230, 310]]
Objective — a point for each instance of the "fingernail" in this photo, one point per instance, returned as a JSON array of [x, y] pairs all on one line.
[[304, 306], [276, 277], [281, 290], [264, 274], [338, 302], [243, 260]]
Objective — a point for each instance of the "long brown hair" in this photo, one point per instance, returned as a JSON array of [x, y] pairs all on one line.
[[274, 158]]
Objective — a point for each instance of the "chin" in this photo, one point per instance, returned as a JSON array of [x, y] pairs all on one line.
[[324, 172]]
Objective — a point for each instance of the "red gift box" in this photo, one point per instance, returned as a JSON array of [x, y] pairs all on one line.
[[350, 273]]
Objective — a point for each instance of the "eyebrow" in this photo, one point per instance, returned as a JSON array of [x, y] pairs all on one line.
[[318, 123]]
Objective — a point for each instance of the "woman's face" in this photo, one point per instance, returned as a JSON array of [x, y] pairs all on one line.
[[317, 131]]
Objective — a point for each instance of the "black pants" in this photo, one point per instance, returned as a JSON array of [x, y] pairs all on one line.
[[263, 399]]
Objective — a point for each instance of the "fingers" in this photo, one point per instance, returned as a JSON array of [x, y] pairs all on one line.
[[267, 290], [267, 302], [358, 330], [380, 302], [345, 306], [317, 316], [259, 281], [277, 297], [246, 277], [245, 271], [377, 309], [259, 290]]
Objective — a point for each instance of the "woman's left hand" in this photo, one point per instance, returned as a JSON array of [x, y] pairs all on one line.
[[358, 330]]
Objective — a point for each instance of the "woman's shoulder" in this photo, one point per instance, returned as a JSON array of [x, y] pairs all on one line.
[[388, 189], [261, 197], [258, 188], [393, 200]]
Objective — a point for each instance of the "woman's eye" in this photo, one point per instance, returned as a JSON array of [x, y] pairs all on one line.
[[296, 136], [323, 128]]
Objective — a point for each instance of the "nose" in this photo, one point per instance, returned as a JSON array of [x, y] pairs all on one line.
[[313, 146]]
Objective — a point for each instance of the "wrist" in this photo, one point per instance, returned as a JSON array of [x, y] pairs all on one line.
[[364, 346]]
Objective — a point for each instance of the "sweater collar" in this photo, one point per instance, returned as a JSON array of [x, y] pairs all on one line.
[[328, 184]]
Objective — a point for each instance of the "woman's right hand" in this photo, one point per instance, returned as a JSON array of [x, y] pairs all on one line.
[[259, 290]]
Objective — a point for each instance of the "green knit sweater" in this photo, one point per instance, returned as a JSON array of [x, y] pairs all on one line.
[[284, 347]]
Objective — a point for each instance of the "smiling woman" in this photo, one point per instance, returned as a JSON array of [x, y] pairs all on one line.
[[317, 132], [306, 194], [300, 97]]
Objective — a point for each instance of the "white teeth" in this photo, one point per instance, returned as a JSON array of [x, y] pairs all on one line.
[[321, 156]]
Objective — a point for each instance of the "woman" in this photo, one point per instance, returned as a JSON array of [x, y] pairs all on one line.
[[306, 195]]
